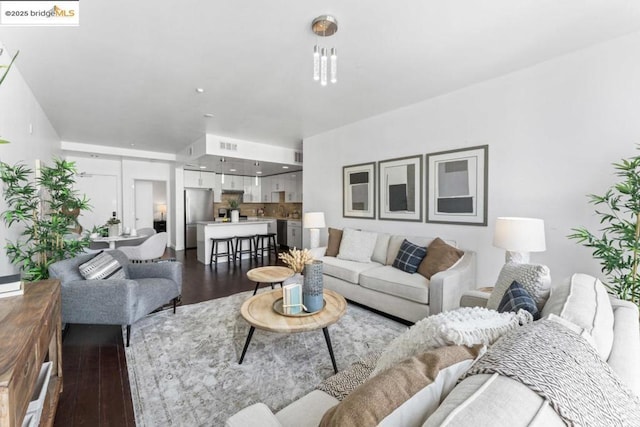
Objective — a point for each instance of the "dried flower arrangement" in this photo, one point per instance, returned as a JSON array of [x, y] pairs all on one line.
[[295, 259]]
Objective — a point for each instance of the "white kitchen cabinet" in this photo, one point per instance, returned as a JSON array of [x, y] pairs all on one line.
[[251, 189], [233, 182], [199, 179], [294, 234], [265, 188]]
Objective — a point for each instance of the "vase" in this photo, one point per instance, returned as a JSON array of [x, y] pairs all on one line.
[[235, 215], [312, 285], [114, 230]]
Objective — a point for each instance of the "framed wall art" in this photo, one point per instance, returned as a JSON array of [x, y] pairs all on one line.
[[400, 189], [359, 191], [457, 186]]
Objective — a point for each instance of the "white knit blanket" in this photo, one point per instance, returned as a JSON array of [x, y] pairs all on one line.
[[565, 369]]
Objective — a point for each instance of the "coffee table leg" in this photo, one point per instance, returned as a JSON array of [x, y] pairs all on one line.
[[328, 339], [256, 289], [246, 345]]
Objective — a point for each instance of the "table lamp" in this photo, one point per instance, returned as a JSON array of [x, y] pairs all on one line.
[[162, 208], [314, 221], [519, 236]]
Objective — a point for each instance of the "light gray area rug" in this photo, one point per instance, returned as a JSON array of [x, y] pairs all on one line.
[[184, 371]]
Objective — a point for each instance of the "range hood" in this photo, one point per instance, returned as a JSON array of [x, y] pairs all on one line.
[[232, 194]]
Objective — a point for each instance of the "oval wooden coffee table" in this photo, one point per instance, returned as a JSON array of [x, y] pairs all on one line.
[[258, 312], [270, 275]]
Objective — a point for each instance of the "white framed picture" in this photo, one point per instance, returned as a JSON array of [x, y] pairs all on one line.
[[359, 191], [457, 186], [400, 189]]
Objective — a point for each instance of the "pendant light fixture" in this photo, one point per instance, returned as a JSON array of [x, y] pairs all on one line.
[[325, 68]]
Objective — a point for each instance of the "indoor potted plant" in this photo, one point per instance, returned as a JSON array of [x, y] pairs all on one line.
[[39, 206], [113, 225], [617, 244]]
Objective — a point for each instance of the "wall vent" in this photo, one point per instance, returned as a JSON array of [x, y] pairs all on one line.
[[229, 146], [297, 156]]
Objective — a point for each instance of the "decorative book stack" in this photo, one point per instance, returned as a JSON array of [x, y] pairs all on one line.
[[11, 286], [292, 299]]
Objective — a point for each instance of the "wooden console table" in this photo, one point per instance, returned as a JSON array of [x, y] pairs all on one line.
[[30, 334]]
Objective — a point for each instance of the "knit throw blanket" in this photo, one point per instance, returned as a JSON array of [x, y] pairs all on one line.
[[564, 369]]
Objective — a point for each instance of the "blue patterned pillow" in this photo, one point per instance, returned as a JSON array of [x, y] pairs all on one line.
[[515, 298], [409, 257]]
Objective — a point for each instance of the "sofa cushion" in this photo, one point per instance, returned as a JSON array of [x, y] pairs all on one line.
[[349, 271], [392, 281], [405, 394], [333, 245], [380, 250], [440, 257], [584, 301], [396, 241], [464, 326], [409, 257], [304, 412], [357, 245], [517, 298], [535, 278], [102, 266], [493, 400]]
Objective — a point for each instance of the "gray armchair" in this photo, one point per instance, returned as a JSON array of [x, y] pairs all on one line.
[[115, 301]]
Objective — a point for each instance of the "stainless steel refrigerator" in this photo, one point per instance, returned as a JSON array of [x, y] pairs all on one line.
[[198, 206]]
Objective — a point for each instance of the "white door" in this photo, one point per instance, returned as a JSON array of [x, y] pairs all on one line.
[[143, 204]]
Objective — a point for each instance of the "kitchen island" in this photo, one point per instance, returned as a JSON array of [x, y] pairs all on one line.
[[214, 229]]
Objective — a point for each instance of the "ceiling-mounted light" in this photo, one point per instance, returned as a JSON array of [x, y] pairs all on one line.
[[257, 180], [324, 26]]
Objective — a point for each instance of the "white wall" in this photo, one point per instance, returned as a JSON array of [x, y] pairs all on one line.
[[553, 131], [32, 137]]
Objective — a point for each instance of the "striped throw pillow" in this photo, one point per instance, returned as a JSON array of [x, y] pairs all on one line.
[[102, 266], [409, 257]]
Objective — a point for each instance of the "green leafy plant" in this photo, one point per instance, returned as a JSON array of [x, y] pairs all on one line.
[[41, 206], [233, 204], [617, 244]]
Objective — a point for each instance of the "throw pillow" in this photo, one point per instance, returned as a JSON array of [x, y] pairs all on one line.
[[347, 380], [584, 301], [333, 245], [464, 326], [357, 245], [102, 266], [406, 394], [517, 298], [535, 278], [409, 257], [440, 256]]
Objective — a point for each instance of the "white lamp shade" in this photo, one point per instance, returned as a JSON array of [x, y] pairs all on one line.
[[519, 234], [313, 220]]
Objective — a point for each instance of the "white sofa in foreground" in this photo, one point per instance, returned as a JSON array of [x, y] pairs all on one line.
[[377, 284], [606, 323]]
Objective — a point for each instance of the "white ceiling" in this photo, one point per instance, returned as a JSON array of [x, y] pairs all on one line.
[[128, 74]]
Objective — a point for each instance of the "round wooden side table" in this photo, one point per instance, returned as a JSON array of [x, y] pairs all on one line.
[[270, 275], [259, 313]]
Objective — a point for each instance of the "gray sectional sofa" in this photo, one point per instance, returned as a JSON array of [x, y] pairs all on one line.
[[379, 285]]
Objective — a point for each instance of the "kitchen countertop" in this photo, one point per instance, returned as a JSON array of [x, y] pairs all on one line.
[[244, 222]]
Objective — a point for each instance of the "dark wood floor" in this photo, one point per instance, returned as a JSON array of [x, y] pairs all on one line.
[[96, 383]]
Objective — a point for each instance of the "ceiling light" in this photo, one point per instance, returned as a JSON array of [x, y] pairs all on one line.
[[325, 26], [199, 90], [257, 180], [208, 115], [285, 167], [223, 160], [232, 170], [259, 172], [203, 167]]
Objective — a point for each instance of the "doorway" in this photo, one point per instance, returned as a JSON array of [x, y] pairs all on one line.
[[150, 204]]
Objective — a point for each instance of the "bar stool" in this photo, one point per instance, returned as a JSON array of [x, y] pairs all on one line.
[[215, 253], [270, 238], [239, 251]]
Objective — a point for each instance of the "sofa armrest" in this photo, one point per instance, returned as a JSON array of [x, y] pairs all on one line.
[[318, 253], [474, 298], [625, 352], [256, 415], [163, 270], [446, 287], [108, 301]]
